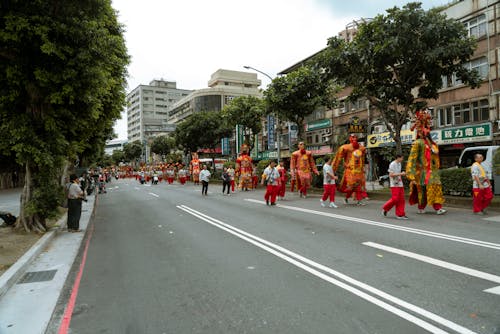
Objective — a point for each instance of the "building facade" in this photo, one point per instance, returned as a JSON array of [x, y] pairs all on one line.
[[147, 109]]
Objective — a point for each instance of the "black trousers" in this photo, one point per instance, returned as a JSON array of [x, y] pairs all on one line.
[[226, 184], [74, 213], [204, 187]]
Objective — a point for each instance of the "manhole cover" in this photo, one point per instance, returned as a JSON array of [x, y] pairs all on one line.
[[37, 276]]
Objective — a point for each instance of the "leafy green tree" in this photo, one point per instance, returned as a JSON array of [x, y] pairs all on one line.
[[132, 151], [298, 94], [202, 130], [398, 60], [117, 157], [163, 145], [246, 111], [62, 85]]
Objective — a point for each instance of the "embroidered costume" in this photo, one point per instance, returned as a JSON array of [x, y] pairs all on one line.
[[301, 165], [353, 180], [194, 168], [244, 168], [422, 168]]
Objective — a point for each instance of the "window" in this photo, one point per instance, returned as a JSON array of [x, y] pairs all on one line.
[[480, 111], [481, 66], [444, 115], [477, 26]]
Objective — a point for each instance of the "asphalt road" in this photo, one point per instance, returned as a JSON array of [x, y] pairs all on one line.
[[165, 259]]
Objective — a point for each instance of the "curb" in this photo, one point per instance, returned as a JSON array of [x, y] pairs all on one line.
[[11, 276]]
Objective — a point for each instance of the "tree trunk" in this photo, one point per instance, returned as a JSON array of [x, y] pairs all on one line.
[[30, 223]]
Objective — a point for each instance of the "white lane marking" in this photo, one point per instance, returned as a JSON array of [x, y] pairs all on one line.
[[294, 259], [136, 188], [436, 262], [475, 242], [153, 194]]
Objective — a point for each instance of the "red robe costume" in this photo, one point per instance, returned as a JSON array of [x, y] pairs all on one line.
[[353, 180], [194, 168], [244, 168], [301, 166]]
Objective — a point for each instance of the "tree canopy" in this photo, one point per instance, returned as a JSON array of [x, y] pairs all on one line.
[[397, 61], [246, 111], [201, 130], [62, 86], [296, 95], [163, 145]]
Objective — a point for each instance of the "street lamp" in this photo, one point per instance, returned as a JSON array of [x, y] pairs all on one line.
[[276, 118]]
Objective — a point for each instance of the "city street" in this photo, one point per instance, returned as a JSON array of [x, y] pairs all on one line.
[[165, 259]]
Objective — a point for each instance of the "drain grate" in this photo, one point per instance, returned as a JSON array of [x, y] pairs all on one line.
[[37, 276]]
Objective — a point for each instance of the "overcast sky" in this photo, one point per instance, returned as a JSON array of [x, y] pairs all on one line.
[[186, 41]]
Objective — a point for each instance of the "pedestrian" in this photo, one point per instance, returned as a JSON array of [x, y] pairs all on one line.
[[329, 186], [397, 189], [75, 197], [283, 178], [481, 186], [231, 173], [271, 177], [226, 181], [204, 178]]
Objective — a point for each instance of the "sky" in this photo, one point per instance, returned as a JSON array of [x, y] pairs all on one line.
[[186, 41]]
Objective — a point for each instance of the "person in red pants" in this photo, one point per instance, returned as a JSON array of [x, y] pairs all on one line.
[[273, 180], [481, 186], [329, 186], [397, 189]]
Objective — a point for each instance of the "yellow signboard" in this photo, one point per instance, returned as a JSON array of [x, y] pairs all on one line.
[[385, 139]]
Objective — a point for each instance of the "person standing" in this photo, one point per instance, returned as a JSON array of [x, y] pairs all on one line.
[[301, 166], [282, 189], [272, 178], [481, 186], [397, 189], [75, 197], [204, 178], [329, 186], [226, 181], [230, 171]]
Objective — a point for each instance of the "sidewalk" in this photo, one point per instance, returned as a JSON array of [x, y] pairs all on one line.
[[29, 290]]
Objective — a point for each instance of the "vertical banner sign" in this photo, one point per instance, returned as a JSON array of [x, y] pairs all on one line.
[[270, 132], [225, 146], [239, 138]]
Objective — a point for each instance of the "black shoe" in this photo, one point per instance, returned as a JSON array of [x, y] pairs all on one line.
[[273, 203], [267, 202], [384, 213]]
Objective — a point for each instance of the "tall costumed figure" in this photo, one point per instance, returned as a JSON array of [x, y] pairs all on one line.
[[194, 168], [422, 168], [301, 166], [353, 181], [244, 168]]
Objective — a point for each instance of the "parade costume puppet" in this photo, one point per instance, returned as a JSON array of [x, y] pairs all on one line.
[[244, 168], [301, 166], [194, 168], [422, 168], [353, 180]]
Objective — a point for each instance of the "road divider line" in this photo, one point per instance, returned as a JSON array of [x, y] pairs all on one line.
[[474, 242], [153, 194], [439, 263], [309, 265]]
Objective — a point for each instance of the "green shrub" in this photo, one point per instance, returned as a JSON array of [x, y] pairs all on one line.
[[456, 181]]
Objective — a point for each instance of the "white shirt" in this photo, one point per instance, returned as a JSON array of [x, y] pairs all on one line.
[[205, 175], [395, 181], [327, 179], [272, 176]]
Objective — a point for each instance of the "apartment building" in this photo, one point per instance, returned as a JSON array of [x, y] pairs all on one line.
[[147, 109]]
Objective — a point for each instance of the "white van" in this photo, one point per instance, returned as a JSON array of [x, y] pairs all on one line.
[[467, 157]]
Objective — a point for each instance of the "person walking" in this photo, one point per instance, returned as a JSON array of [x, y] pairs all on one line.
[[283, 178], [204, 178], [481, 186], [226, 181], [75, 197], [271, 177], [231, 173], [397, 189], [329, 186]]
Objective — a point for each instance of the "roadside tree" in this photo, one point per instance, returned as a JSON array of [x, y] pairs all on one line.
[[398, 60], [163, 145]]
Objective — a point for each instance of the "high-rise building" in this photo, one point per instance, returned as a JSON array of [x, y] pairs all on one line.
[[147, 109]]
